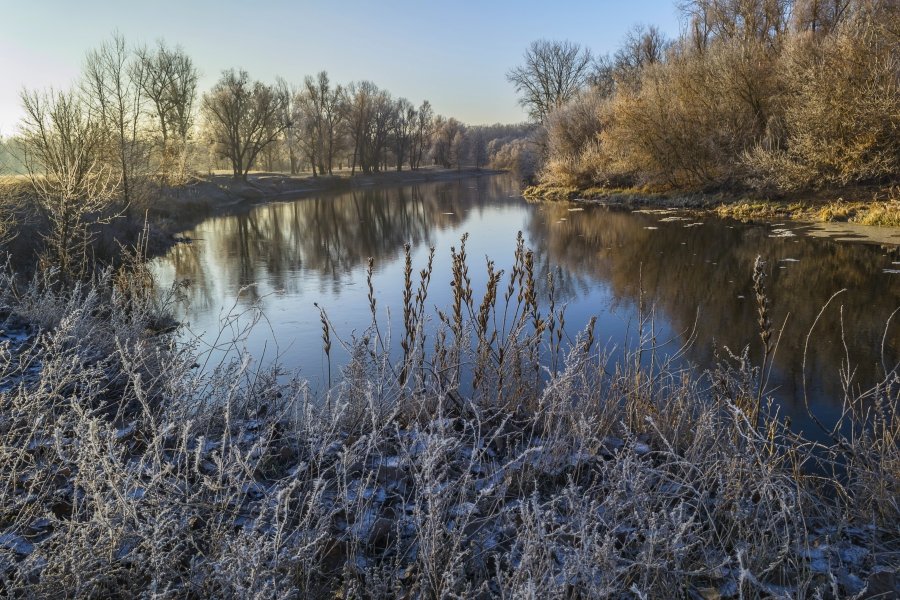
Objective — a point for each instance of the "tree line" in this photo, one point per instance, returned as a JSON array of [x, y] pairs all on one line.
[[320, 126], [778, 95], [316, 124], [136, 121], [137, 111]]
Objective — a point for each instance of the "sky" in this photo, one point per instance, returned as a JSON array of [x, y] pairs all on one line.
[[455, 54]]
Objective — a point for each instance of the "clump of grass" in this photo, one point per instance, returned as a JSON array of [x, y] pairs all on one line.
[[750, 209], [883, 214], [546, 191], [593, 480], [836, 211], [875, 212]]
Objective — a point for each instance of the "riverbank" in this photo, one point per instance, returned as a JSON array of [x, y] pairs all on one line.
[[872, 206], [223, 191]]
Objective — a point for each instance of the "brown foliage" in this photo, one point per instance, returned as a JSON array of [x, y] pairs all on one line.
[[744, 100], [842, 111]]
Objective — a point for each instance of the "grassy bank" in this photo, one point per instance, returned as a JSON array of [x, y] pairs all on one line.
[[876, 213], [626, 196], [861, 205], [458, 470]]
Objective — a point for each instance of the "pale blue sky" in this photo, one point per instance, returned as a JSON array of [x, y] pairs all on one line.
[[455, 54]]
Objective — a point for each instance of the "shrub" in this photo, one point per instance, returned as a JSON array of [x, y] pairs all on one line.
[[842, 108], [747, 101]]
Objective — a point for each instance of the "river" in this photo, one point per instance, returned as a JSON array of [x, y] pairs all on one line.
[[273, 261]]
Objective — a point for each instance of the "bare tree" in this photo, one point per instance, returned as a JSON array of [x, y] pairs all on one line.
[[759, 20], [369, 113], [290, 114], [63, 146], [440, 142], [820, 16], [243, 117], [446, 145], [331, 119], [357, 108], [552, 74], [424, 129], [113, 84], [643, 46], [458, 147], [380, 130], [318, 110], [308, 117], [170, 84], [603, 77], [403, 130]]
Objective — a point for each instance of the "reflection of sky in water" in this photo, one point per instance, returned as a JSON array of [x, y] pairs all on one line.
[[287, 256]]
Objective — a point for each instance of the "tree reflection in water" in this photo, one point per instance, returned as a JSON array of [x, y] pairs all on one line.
[[285, 256]]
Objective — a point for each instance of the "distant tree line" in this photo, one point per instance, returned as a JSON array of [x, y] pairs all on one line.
[[320, 127], [152, 123], [139, 117], [136, 120], [774, 94]]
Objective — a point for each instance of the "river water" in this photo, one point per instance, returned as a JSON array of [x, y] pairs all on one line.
[[274, 261]]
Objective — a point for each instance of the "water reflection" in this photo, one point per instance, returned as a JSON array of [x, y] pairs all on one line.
[[286, 256], [329, 237], [684, 266]]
